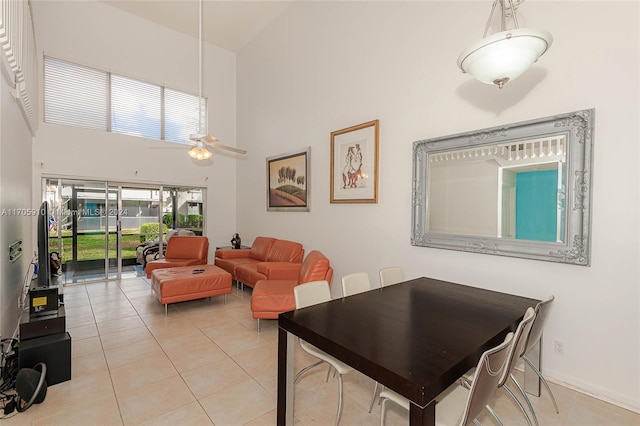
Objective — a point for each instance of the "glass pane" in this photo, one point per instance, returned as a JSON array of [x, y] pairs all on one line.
[[184, 209], [135, 107], [78, 229], [181, 115]]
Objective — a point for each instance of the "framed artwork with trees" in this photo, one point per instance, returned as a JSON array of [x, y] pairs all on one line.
[[288, 181]]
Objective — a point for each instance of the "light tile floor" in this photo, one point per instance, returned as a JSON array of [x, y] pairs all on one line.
[[205, 364]]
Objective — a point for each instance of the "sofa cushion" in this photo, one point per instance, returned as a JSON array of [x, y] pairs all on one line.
[[248, 274], [272, 297], [285, 251], [260, 248], [182, 251], [279, 270], [223, 253], [231, 265], [171, 263], [187, 247]]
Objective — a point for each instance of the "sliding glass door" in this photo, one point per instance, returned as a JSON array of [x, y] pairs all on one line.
[[101, 229], [79, 227]]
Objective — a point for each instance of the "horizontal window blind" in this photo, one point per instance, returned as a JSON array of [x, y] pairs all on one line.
[[74, 94], [135, 107], [82, 96], [181, 115]]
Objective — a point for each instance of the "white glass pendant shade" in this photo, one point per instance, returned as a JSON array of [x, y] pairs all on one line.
[[504, 56], [200, 152]]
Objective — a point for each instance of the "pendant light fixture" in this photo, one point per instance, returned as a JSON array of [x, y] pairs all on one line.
[[502, 57]]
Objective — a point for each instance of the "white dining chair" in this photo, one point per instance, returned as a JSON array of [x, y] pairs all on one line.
[[459, 406], [309, 294], [542, 311], [391, 275], [520, 338], [355, 283]]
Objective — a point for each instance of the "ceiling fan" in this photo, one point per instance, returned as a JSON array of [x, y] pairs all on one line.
[[202, 139]]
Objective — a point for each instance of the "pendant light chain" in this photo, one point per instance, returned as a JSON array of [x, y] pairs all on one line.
[[503, 16]]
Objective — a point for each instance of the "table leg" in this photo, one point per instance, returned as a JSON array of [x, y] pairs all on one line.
[[422, 416], [531, 379], [285, 378]]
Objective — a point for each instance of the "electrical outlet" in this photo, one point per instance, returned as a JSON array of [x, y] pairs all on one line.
[[558, 347]]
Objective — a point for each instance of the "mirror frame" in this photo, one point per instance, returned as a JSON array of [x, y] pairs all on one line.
[[578, 127]]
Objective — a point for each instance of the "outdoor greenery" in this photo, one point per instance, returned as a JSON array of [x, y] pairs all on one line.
[[151, 228], [91, 245], [184, 221], [194, 220]]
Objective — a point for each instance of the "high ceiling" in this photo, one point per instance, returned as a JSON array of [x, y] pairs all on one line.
[[229, 24]]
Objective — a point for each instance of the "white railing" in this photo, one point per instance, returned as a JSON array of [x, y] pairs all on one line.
[[19, 57], [532, 151]]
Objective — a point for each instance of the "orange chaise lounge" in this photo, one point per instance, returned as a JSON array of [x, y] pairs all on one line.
[[272, 297], [182, 251]]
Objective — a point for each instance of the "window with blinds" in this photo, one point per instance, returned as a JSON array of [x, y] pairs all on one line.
[[136, 107], [81, 96], [181, 115], [75, 95]]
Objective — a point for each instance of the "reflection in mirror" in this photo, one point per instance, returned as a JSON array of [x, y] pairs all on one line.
[[515, 190], [519, 190]]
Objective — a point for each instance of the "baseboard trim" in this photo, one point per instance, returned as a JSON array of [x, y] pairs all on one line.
[[622, 404]]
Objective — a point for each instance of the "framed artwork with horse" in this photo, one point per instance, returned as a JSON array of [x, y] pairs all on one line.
[[354, 164], [288, 181]]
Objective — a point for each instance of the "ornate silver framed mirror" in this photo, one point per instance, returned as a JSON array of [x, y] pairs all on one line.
[[521, 190]]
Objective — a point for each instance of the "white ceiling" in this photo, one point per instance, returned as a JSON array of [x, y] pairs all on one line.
[[229, 24]]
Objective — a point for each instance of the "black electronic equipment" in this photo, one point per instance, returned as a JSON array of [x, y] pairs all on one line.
[[43, 325], [43, 301], [53, 350], [44, 266]]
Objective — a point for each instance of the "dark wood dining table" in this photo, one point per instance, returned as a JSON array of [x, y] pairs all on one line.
[[416, 338]]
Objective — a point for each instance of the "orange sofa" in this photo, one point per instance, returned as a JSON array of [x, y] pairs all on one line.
[[268, 258], [182, 251], [272, 297]]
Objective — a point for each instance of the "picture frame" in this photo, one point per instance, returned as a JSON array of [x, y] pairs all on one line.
[[354, 164], [288, 179]]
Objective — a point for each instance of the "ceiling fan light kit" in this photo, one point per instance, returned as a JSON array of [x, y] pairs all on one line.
[[200, 152], [504, 56]]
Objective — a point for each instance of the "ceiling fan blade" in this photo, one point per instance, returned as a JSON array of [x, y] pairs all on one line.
[[198, 137], [228, 148]]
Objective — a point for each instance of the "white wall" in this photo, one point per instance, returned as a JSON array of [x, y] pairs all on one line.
[[107, 38], [325, 66], [15, 199]]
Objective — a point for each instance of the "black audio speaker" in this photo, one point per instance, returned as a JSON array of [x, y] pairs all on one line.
[[53, 350]]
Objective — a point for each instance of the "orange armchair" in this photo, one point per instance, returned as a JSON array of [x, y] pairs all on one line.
[[182, 251], [272, 297]]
